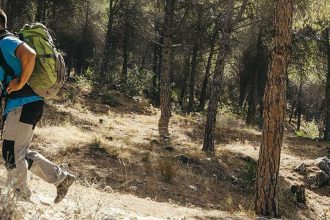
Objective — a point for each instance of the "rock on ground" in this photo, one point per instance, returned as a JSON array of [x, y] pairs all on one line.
[[317, 173]]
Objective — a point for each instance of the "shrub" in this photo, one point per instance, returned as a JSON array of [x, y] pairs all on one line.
[[308, 130], [138, 81], [167, 167], [287, 202], [71, 94], [109, 99], [247, 176], [89, 73]]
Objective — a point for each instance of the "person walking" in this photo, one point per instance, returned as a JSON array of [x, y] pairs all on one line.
[[22, 112]]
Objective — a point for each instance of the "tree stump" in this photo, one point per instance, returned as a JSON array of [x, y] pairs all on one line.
[[299, 192]]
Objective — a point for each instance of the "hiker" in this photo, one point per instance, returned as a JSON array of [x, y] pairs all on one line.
[[22, 111]]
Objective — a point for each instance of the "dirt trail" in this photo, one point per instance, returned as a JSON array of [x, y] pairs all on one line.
[[89, 203]]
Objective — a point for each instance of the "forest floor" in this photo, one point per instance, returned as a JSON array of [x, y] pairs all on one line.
[[123, 173]]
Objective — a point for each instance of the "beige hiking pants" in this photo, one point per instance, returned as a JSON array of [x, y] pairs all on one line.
[[18, 132]]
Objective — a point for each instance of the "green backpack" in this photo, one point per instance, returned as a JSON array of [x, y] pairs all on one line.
[[49, 73]]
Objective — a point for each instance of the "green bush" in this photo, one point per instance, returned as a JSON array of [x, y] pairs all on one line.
[[227, 111], [138, 81], [109, 99], [308, 130], [71, 94], [247, 175], [82, 80], [89, 73]]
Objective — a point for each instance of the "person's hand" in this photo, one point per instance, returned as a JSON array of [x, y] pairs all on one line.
[[14, 85]]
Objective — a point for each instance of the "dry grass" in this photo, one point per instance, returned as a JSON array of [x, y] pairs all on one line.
[[168, 168], [8, 204], [118, 147]]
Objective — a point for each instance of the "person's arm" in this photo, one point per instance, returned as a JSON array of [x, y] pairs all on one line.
[[27, 57]]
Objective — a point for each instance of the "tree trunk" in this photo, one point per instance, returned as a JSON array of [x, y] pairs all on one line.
[[194, 62], [192, 79], [172, 70], [266, 202], [261, 110], [107, 50], [160, 66], [144, 57], [251, 114], [327, 89], [54, 6], [299, 107], [155, 78], [182, 100], [165, 75], [41, 7], [81, 53], [202, 99], [298, 192], [299, 116], [125, 42], [208, 144], [3, 4], [19, 13], [10, 11], [292, 110]]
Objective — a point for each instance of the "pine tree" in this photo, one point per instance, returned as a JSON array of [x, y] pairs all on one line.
[[266, 203], [165, 72]]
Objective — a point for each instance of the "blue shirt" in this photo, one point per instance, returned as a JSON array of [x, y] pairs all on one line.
[[8, 46]]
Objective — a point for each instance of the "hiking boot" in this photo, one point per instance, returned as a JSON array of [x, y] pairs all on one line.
[[63, 187]]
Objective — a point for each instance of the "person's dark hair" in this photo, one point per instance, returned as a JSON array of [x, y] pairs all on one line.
[[3, 20]]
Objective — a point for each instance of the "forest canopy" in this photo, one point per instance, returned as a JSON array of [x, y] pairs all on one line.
[[119, 43]]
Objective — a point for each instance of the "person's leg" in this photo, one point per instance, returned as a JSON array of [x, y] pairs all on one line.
[[16, 140], [44, 168], [39, 165], [18, 132]]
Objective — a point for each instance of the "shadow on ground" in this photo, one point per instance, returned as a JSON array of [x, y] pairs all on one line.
[[307, 148], [198, 183]]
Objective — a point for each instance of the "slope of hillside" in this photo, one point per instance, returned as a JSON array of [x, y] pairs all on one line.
[[111, 143], [89, 203]]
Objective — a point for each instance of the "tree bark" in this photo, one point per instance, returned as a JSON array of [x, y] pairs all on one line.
[[3, 4], [194, 61], [125, 42], [299, 106], [182, 100], [208, 144], [266, 202], [41, 7], [160, 66], [107, 50], [165, 75], [80, 67], [251, 114], [202, 99], [192, 79], [327, 88], [155, 78], [228, 26], [19, 13], [292, 110]]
